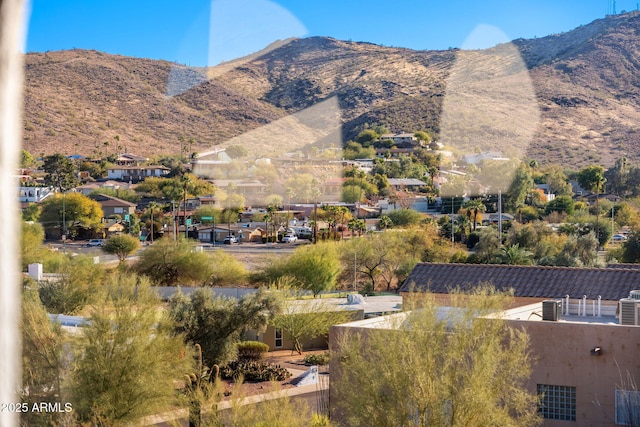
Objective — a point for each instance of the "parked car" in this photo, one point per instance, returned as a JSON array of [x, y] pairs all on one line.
[[618, 238], [289, 238], [95, 242], [230, 239]]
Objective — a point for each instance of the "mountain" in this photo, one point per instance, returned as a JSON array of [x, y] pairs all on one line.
[[584, 82]]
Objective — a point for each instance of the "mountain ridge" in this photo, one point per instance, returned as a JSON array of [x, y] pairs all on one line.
[[79, 101]]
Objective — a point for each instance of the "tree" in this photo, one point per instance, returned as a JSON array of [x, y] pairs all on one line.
[[217, 324], [631, 248], [452, 368], [592, 178], [78, 284], [42, 361], [226, 270], [121, 245], [73, 209], [561, 204], [236, 151], [353, 194], [475, 206], [314, 267], [307, 319], [405, 217], [520, 187], [385, 222], [514, 255], [129, 358], [169, 263], [59, 172], [26, 159]]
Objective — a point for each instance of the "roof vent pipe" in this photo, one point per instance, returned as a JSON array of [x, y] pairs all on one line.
[[567, 305], [584, 305], [599, 305]]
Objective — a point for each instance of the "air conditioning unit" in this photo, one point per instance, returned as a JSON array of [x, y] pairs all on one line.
[[634, 294], [551, 310], [629, 311]]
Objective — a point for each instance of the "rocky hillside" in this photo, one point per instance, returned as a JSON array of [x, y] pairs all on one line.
[[585, 86]]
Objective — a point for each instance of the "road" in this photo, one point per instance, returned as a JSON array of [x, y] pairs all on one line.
[[83, 249]]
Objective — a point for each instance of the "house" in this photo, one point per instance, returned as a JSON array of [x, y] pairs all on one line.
[[113, 206], [400, 138], [584, 357], [406, 184], [474, 159], [127, 159], [34, 194], [362, 308], [91, 187], [111, 228], [583, 326], [136, 173], [207, 164]]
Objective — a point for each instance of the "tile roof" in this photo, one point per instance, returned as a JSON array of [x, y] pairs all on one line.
[[527, 281]]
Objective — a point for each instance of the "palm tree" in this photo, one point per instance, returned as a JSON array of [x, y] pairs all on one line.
[[475, 206], [514, 255], [152, 206]]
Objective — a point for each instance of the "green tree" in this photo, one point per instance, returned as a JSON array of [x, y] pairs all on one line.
[[217, 324], [631, 248], [475, 207], [520, 187], [74, 209], [236, 151], [423, 137], [79, 282], [31, 249], [42, 361], [514, 255], [385, 222], [353, 194], [169, 263], [561, 204], [405, 217], [226, 270], [59, 172], [307, 319], [26, 159], [592, 178], [314, 268], [129, 358], [121, 245], [441, 368], [367, 136]]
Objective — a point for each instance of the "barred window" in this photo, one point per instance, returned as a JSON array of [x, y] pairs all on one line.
[[627, 407], [557, 402]]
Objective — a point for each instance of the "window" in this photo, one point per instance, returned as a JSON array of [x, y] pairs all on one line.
[[627, 407], [278, 343], [557, 402]]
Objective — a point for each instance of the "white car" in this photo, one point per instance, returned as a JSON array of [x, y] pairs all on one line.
[[289, 238], [95, 242], [230, 240]]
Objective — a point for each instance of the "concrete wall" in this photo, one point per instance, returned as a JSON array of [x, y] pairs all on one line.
[[563, 357]]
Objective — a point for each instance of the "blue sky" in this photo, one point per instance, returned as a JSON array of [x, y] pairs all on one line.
[[204, 32]]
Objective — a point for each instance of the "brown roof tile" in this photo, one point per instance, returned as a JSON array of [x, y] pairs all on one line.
[[526, 281]]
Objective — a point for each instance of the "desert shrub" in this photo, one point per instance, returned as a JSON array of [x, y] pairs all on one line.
[[254, 371], [252, 350], [317, 359]]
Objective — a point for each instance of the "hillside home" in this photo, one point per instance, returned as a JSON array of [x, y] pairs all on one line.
[[127, 159], [136, 173]]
